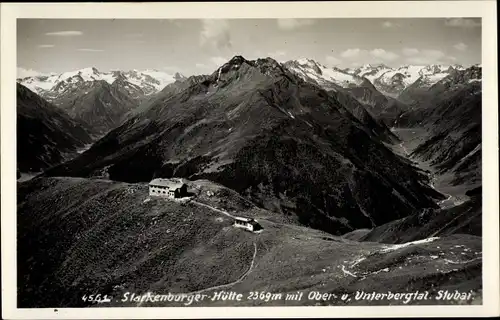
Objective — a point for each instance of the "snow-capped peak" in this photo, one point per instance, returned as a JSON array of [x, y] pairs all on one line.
[[150, 81], [309, 69], [306, 61], [87, 74]]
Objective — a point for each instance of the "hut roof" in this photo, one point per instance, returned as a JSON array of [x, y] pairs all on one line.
[[170, 183], [244, 219]]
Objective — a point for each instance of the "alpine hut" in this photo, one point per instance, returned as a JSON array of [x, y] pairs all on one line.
[[168, 188]]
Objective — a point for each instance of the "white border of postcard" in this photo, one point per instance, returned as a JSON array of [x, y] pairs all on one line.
[[353, 9]]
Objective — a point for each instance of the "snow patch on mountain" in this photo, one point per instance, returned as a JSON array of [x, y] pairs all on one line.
[[393, 81], [369, 71], [150, 79], [86, 74], [39, 84], [310, 69]]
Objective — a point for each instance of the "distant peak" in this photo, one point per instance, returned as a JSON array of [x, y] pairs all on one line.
[[120, 76], [89, 70], [179, 76], [373, 66], [237, 60], [308, 63], [268, 61]]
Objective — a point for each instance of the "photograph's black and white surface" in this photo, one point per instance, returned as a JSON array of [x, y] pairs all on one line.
[[249, 162]]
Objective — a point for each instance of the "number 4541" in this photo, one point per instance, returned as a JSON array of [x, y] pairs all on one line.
[[95, 298]]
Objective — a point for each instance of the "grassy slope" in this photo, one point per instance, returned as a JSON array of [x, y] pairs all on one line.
[[78, 236]]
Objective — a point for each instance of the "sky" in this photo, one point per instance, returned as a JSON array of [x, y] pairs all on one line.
[[197, 46]]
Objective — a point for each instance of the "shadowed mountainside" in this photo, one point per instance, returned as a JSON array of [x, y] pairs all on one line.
[[102, 106], [384, 108], [451, 114], [462, 219], [46, 135], [454, 144]]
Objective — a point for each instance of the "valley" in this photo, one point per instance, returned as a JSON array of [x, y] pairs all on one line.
[[411, 138]]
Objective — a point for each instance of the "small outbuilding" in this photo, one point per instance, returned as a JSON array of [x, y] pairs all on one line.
[[247, 223], [168, 188]]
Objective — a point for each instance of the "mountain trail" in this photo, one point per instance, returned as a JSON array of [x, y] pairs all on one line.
[[212, 208]]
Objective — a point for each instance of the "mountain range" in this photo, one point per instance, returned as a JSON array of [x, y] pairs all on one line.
[[149, 81], [392, 81], [382, 107], [369, 176], [375, 86], [98, 99], [101, 102], [253, 125]]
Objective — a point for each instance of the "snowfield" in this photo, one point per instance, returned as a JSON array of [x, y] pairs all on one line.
[[307, 68], [389, 79], [149, 80]]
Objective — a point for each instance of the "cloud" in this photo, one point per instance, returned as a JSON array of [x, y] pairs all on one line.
[[23, 73], [460, 46], [331, 60], [215, 32], [384, 55], [451, 58], [410, 51], [201, 65], [90, 50], [427, 57], [463, 22], [434, 54], [419, 60], [219, 61], [46, 46], [350, 53], [388, 24], [64, 33], [291, 24]]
